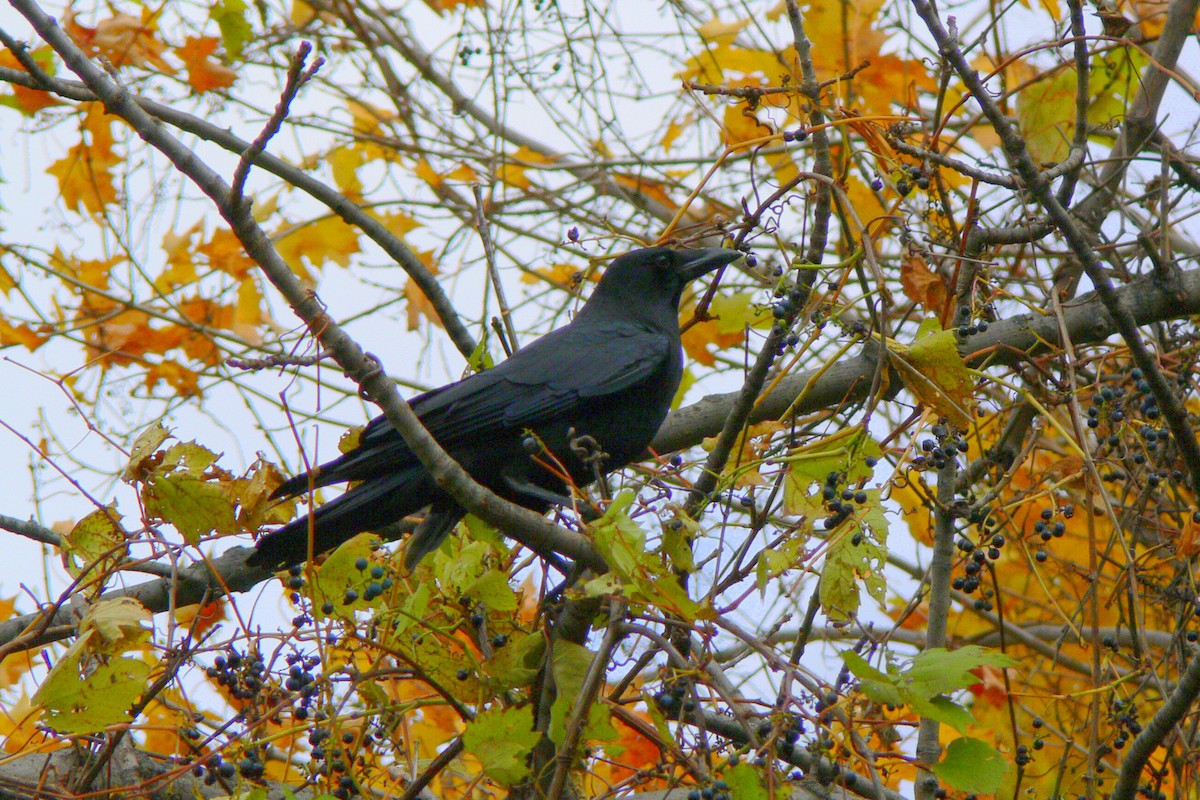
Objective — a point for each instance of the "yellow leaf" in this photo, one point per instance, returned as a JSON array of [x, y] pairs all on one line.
[[302, 13], [225, 253], [21, 730], [397, 222], [418, 304], [427, 173], [934, 371], [513, 175], [564, 275], [674, 130], [713, 63], [19, 333], [367, 117], [463, 173], [344, 163], [741, 125], [181, 268], [716, 32], [330, 239], [84, 182], [248, 314]]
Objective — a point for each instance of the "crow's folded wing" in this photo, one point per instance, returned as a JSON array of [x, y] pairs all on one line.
[[549, 379]]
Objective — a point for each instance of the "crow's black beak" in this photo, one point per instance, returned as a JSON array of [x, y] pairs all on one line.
[[702, 262]]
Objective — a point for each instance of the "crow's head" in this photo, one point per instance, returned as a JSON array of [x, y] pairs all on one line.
[[648, 283]]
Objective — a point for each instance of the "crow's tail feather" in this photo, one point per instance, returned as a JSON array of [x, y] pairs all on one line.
[[368, 506]]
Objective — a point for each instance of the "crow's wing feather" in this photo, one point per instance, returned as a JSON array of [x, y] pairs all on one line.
[[546, 380], [551, 378]]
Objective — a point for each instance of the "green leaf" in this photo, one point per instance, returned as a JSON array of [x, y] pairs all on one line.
[[845, 451], [636, 572], [502, 738], [1046, 114], [571, 662], [230, 16], [97, 536], [516, 664], [340, 573], [732, 313], [88, 704], [878, 686], [618, 538], [745, 783], [934, 371], [493, 590], [144, 446], [856, 554], [480, 358], [194, 506], [942, 709], [970, 765], [940, 671], [116, 625]]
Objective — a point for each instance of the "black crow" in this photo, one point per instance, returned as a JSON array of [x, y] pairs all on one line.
[[609, 375]]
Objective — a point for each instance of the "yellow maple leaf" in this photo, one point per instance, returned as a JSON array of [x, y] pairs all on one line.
[[84, 181], [248, 313], [397, 222], [329, 239], [717, 32], [418, 304], [225, 252], [184, 381], [19, 333], [344, 163]]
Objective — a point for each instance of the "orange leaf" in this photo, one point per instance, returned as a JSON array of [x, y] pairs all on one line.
[[418, 304], [122, 39], [28, 100], [330, 239], [204, 73], [84, 182], [184, 381], [21, 334], [248, 314], [922, 285], [225, 253]]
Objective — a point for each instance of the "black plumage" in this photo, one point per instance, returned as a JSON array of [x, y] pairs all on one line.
[[610, 374]]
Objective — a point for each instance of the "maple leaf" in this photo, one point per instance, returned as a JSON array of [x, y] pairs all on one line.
[[922, 285], [204, 73], [225, 253], [26, 100], [84, 183], [123, 39], [329, 239], [418, 304], [19, 333], [184, 381]]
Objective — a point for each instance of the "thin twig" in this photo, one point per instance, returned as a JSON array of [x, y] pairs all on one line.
[[297, 76], [489, 253]]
